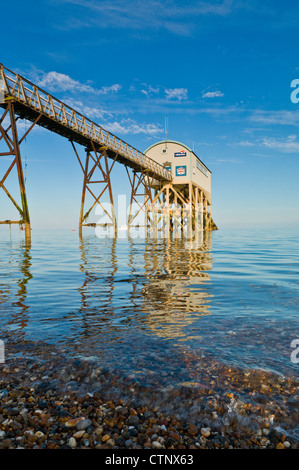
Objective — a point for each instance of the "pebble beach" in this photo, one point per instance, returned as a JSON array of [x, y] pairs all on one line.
[[72, 404]]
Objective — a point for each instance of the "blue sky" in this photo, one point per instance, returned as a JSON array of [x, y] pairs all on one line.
[[220, 70]]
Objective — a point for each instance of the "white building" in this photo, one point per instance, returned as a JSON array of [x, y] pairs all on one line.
[[191, 185], [184, 164]]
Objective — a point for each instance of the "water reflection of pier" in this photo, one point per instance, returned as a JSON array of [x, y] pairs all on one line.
[[130, 292], [99, 266], [98, 262], [175, 292], [131, 287], [134, 286], [19, 318]]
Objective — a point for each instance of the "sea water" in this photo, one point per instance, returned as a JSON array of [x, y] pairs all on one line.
[[135, 305]]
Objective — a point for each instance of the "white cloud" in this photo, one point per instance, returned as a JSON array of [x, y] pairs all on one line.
[[275, 117], [154, 14], [129, 126], [243, 143], [287, 145], [176, 93], [213, 94], [228, 160], [149, 90], [55, 81], [91, 112], [107, 89]]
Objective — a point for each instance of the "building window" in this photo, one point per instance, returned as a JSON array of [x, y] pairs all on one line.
[[201, 168]]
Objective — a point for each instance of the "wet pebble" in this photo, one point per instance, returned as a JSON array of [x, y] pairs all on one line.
[[72, 442], [83, 424], [226, 409], [205, 432]]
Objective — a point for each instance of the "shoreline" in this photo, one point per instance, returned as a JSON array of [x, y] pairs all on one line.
[[62, 403]]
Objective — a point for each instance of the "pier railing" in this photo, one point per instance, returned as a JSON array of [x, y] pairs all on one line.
[[30, 96]]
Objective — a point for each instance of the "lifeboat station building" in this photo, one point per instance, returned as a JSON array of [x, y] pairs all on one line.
[[190, 186]]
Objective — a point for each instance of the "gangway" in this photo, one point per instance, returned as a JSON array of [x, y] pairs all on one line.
[[22, 99]]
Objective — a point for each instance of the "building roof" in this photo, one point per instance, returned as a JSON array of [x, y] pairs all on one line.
[[180, 143]]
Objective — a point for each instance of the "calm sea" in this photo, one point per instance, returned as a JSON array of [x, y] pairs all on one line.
[[131, 302]]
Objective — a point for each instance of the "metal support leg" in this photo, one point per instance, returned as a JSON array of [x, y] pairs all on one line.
[[96, 160], [140, 187], [9, 136]]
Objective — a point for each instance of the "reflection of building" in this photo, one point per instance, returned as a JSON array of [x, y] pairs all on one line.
[[175, 291]]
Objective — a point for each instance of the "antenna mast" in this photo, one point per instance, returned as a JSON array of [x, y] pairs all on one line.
[[166, 130]]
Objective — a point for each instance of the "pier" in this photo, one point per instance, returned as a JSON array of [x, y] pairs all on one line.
[[149, 178]]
